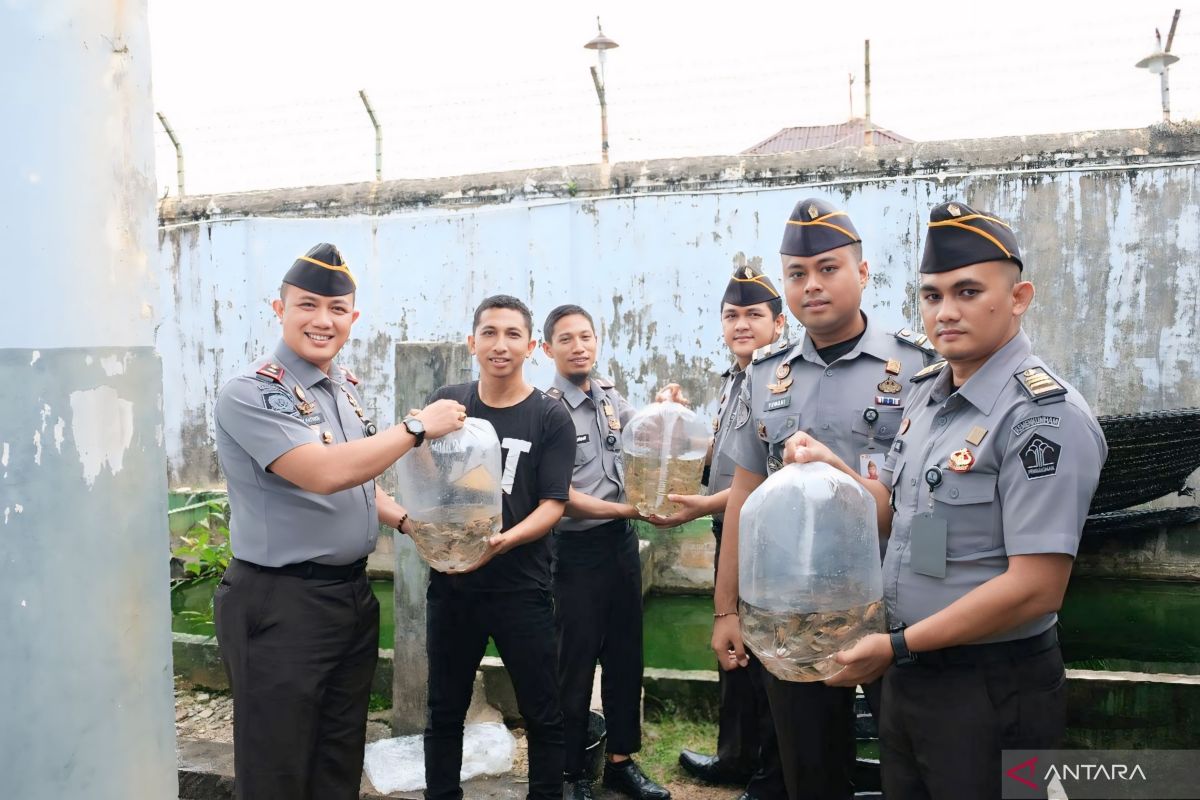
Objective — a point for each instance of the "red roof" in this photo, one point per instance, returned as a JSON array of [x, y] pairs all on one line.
[[819, 137]]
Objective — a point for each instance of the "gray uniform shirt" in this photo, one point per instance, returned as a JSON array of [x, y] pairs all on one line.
[[598, 469], [854, 405], [721, 471], [258, 419], [1034, 467]]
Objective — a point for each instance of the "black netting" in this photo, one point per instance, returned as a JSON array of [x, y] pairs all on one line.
[[1115, 522], [1149, 455]]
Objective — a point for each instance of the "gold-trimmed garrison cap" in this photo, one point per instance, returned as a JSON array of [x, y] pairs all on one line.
[[815, 227], [749, 287], [322, 271], [960, 236]]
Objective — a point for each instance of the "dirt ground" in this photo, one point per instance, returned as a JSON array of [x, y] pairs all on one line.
[[208, 716]]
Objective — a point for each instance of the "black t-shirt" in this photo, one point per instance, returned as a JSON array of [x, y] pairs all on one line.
[[835, 351], [537, 444]]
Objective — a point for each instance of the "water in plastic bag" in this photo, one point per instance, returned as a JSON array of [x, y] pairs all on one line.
[[810, 582], [663, 449], [450, 487], [398, 765]]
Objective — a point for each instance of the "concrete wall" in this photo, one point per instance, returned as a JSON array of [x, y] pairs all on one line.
[[1109, 221], [85, 665]]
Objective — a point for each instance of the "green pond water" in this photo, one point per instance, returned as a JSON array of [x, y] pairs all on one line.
[[1105, 624]]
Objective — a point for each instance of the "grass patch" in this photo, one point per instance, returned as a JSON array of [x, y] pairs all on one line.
[[663, 739], [379, 702]]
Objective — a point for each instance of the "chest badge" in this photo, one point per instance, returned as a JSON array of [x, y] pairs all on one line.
[[890, 386], [962, 460], [976, 435], [782, 371], [762, 431], [327, 437], [892, 367], [781, 387], [306, 408]]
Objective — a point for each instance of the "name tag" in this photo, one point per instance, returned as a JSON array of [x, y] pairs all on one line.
[[583, 438], [778, 402], [314, 419], [927, 548]]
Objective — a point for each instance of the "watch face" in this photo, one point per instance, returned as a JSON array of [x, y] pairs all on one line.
[[415, 426]]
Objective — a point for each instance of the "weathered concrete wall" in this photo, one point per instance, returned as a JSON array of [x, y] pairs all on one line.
[[85, 664], [1110, 224]]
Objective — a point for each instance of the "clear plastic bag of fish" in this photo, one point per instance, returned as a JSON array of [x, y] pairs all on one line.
[[810, 582], [663, 449], [450, 487]]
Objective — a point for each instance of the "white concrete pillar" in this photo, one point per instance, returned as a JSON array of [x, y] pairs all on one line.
[[86, 705]]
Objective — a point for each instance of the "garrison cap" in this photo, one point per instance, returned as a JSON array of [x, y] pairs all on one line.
[[815, 227], [749, 287], [960, 236], [322, 271]]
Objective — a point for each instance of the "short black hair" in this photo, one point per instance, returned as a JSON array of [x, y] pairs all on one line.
[[503, 301], [564, 311], [775, 304]]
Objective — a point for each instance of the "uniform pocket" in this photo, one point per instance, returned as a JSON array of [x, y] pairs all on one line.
[[887, 423], [967, 501], [779, 427]]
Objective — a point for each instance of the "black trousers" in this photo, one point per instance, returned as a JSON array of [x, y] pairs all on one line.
[[598, 603], [814, 728], [458, 624], [946, 719], [745, 731], [300, 654]]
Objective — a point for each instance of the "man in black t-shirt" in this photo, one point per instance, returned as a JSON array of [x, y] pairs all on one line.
[[507, 594]]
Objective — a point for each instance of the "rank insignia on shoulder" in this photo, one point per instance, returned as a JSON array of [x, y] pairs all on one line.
[[928, 372], [272, 372], [350, 376], [917, 340], [554, 393], [768, 350], [604, 383], [1040, 385]]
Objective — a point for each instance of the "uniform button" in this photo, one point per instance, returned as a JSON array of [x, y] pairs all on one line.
[[825, 426], [884, 430], [829, 372], [912, 481], [941, 420], [954, 492]]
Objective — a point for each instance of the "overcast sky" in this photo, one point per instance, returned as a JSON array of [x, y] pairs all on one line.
[[265, 93]]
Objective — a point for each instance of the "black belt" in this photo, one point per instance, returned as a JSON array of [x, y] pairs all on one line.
[[313, 570], [994, 652]]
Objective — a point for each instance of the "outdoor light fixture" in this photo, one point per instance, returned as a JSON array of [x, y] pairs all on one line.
[[1159, 63], [600, 44]]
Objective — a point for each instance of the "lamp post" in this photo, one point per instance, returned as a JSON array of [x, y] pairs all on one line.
[[600, 44], [1159, 63]]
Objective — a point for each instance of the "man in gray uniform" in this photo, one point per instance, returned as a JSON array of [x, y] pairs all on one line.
[[296, 620], [751, 317], [846, 381], [597, 573], [991, 477]]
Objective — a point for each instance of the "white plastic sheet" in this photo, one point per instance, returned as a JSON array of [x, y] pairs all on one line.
[[398, 765]]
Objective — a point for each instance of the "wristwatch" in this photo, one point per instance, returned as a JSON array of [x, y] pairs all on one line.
[[416, 428], [901, 656]]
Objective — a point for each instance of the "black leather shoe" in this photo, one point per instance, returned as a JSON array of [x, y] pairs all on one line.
[[577, 789], [627, 778], [746, 796], [710, 769]]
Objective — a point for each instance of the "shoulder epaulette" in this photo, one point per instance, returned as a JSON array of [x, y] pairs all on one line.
[[604, 383], [271, 372], [1041, 386], [928, 372], [917, 340], [768, 350], [554, 393], [350, 376]]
